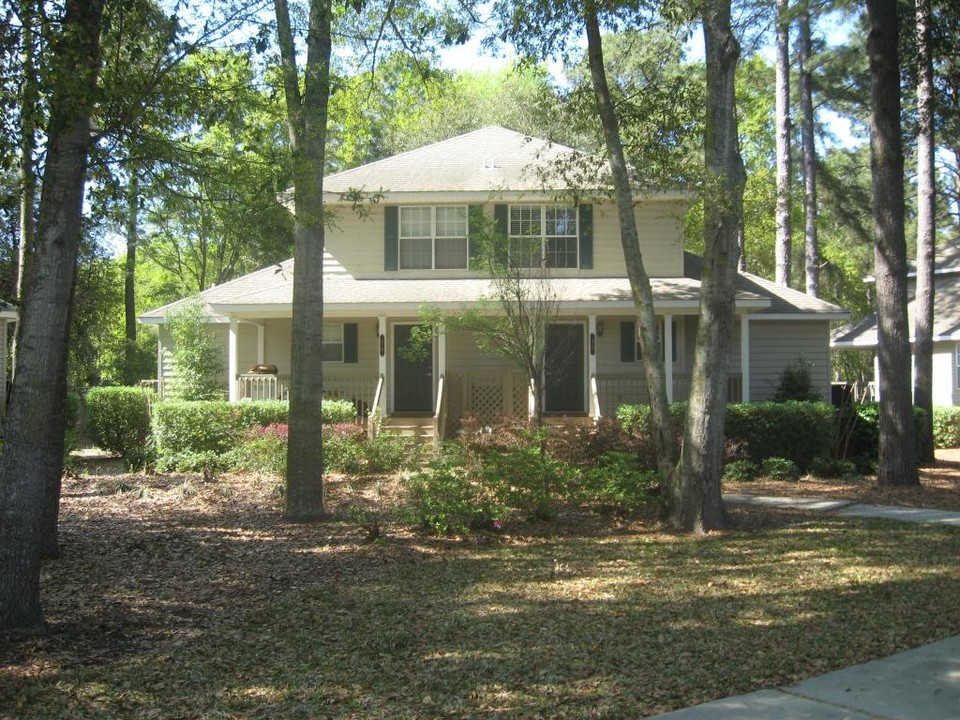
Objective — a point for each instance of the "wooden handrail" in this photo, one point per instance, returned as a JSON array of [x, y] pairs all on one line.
[[375, 414]]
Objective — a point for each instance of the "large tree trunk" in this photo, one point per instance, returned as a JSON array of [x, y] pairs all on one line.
[[897, 463], [307, 118], [664, 436], [784, 254], [33, 446], [700, 506], [130, 277], [811, 242], [926, 235]]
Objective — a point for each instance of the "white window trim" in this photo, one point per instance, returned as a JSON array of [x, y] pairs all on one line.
[[543, 232], [956, 365], [433, 237]]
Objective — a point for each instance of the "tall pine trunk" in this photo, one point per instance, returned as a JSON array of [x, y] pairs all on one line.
[[784, 249], [129, 278], [926, 235], [307, 120], [653, 363], [897, 456], [698, 474], [811, 242], [32, 456]]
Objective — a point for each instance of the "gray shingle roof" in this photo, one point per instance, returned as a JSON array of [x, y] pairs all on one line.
[[946, 318], [485, 161]]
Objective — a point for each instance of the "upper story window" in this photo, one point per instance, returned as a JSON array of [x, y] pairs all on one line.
[[543, 235], [433, 237]]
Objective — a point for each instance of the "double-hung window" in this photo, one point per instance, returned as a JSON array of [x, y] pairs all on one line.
[[543, 235], [433, 237], [332, 348]]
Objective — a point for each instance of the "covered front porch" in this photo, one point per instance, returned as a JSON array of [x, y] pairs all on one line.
[[451, 378]]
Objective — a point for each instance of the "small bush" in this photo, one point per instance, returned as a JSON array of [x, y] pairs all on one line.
[[618, 482], [857, 436], [798, 431], [946, 427], [444, 500], [777, 468], [526, 479], [796, 383], [119, 421], [263, 451], [833, 468], [344, 448], [741, 471], [390, 452]]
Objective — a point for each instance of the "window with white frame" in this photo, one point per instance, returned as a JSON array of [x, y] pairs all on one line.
[[332, 347], [543, 235], [433, 237]]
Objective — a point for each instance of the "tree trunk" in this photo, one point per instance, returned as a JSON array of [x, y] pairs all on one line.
[[307, 118], [784, 254], [897, 462], [811, 242], [129, 279], [926, 235], [698, 474], [655, 375], [33, 449]]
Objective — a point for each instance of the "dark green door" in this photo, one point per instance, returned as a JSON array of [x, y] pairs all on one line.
[[564, 367], [413, 373]]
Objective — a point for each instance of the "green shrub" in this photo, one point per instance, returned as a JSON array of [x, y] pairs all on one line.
[[445, 500], [635, 419], [338, 411], [946, 427], [740, 471], [208, 462], [617, 482], [263, 450], [833, 468], [197, 361], [344, 448], [796, 383], [797, 431], [119, 421], [391, 452], [527, 480], [778, 468], [858, 434]]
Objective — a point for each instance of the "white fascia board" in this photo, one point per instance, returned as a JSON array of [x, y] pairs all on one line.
[[493, 196], [803, 316]]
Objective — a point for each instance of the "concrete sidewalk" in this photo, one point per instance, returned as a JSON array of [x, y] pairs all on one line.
[[849, 509], [920, 684]]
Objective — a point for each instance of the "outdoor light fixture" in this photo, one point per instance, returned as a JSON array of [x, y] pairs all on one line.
[[593, 342], [600, 328], [383, 346]]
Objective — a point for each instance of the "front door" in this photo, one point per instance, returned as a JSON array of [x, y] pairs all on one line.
[[564, 367], [413, 373]]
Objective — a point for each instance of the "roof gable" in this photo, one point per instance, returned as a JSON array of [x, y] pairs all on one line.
[[487, 160]]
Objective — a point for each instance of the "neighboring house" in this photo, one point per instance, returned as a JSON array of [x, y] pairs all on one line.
[[412, 248], [862, 335], [8, 315]]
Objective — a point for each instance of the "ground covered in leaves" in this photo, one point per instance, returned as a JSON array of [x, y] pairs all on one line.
[[175, 598]]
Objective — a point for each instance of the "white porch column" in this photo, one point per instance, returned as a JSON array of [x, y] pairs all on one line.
[[442, 351], [261, 342], [876, 377], [591, 362], [232, 360], [745, 357], [668, 354], [382, 360]]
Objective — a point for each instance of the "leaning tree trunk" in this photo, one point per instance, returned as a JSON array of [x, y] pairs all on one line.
[[926, 235], [784, 254], [307, 119], [811, 242], [653, 363], [700, 506], [32, 459], [897, 461]]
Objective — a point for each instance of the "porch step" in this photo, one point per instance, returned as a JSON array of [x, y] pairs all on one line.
[[419, 428]]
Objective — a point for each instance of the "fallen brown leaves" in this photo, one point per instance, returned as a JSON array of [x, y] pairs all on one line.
[[175, 598]]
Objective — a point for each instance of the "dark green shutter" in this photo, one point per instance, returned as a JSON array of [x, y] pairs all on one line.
[[501, 214], [586, 237], [628, 341], [391, 237], [350, 343], [476, 228]]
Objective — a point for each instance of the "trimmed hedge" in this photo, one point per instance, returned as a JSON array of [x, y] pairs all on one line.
[[119, 420], [797, 431], [858, 434], [946, 427], [208, 429]]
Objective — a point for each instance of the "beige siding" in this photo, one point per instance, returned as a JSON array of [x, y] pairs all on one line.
[[945, 390], [357, 243], [777, 344], [463, 355]]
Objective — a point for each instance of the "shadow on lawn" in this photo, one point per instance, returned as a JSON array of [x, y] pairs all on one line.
[[236, 614]]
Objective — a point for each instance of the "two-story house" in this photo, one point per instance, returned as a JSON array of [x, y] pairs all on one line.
[[412, 248]]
